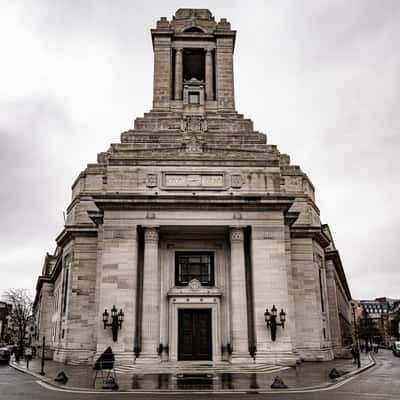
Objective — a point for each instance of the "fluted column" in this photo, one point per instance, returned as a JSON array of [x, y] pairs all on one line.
[[178, 74], [238, 298], [209, 76], [151, 297]]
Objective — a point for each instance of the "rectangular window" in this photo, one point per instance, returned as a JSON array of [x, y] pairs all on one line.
[[190, 265], [194, 98], [65, 290], [321, 290]]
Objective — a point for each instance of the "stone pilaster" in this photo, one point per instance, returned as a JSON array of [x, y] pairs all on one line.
[[162, 72], [270, 287], [224, 74], [240, 342], [334, 319], [117, 283], [151, 298], [209, 76], [178, 74]]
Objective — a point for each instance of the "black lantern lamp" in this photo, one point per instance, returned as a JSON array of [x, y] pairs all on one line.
[[117, 318], [270, 319]]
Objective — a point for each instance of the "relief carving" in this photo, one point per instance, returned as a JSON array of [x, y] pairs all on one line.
[[237, 235], [194, 180], [151, 180], [236, 181], [194, 125], [194, 284], [150, 235], [193, 145]]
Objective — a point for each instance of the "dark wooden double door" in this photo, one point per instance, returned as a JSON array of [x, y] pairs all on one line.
[[194, 330]]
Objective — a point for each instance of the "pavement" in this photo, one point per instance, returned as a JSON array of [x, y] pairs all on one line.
[[202, 379]]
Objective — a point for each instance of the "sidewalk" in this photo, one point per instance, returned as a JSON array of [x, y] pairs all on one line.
[[305, 375]]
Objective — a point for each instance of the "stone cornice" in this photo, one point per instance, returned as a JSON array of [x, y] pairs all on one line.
[[41, 279], [51, 278], [335, 257], [248, 201], [194, 160], [291, 217], [314, 233], [71, 231]]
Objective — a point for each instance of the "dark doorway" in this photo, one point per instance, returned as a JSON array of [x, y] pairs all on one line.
[[194, 330]]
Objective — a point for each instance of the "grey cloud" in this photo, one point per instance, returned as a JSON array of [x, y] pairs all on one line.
[[320, 78]]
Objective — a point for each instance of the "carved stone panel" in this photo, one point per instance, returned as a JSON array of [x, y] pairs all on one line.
[[151, 180], [188, 180], [236, 181]]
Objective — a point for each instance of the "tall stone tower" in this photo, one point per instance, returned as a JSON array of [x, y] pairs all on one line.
[[193, 63], [193, 225]]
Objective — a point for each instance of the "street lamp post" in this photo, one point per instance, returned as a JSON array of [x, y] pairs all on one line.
[[356, 338], [43, 356]]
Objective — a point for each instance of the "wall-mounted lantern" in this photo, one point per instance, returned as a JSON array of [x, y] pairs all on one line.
[[270, 319], [116, 321]]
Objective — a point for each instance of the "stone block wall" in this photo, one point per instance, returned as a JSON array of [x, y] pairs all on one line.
[[45, 306], [310, 320], [162, 72], [224, 74], [270, 287], [333, 307], [117, 281], [77, 344]]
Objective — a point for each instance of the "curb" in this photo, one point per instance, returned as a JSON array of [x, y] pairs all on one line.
[[49, 384]]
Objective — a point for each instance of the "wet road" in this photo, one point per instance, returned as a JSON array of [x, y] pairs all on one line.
[[378, 383]]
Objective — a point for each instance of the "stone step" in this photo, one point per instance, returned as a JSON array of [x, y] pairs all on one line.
[[173, 368]]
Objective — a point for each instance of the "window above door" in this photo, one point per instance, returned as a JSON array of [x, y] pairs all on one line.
[[194, 265]]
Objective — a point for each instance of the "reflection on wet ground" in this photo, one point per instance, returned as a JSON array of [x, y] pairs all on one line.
[[303, 375]]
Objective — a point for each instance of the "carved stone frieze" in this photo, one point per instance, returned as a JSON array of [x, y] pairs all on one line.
[[190, 180]]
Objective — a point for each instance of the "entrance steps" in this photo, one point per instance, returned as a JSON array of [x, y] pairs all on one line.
[[197, 368]]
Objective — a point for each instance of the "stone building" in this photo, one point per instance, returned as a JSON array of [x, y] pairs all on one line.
[[193, 225], [375, 317], [5, 310]]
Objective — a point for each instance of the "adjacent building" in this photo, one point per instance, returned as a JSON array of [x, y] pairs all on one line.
[[193, 225], [375, 319], [5, 310]]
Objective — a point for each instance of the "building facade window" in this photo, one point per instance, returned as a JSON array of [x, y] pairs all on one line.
[[321, 289], [194, 98], [194, 265], [65, 289]]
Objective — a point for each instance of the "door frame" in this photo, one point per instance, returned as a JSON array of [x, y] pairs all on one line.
[[212, 303], [193, 311]]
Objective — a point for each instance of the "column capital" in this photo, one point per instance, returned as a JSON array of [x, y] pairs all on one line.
[[236, 235], [150, 234]]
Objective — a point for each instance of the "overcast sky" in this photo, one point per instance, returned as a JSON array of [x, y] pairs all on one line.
[[320, 78]]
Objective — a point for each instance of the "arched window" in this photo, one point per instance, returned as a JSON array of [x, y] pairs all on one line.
[[194, 29]]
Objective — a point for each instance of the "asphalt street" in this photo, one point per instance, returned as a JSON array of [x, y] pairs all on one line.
[[378, 383]]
